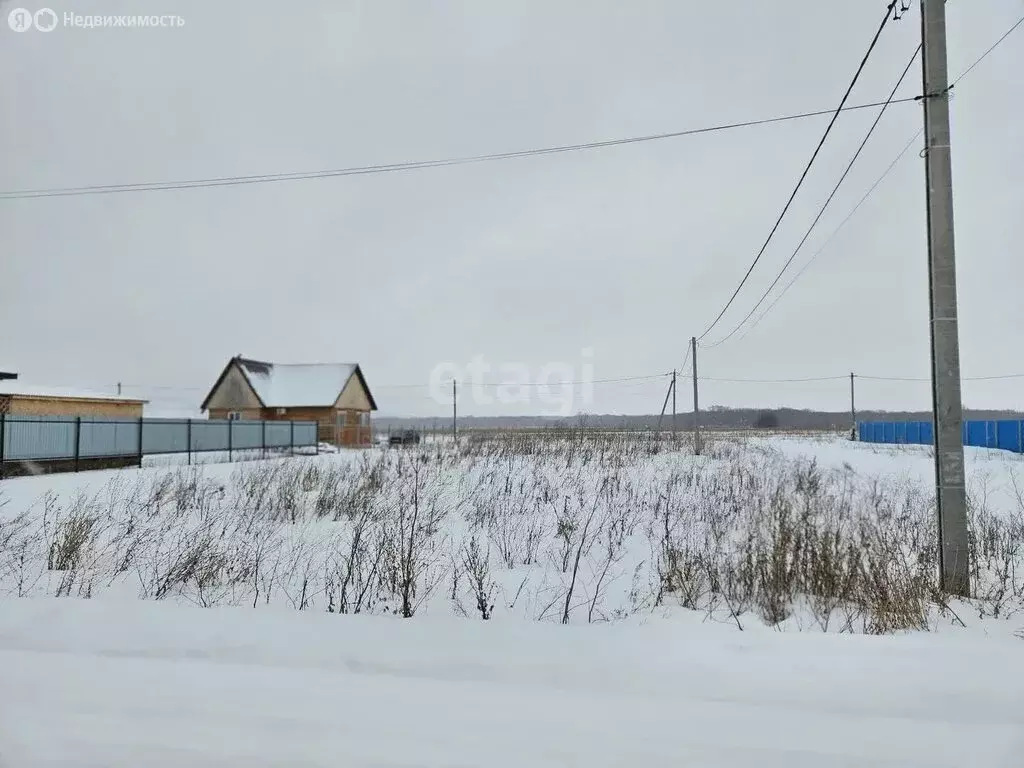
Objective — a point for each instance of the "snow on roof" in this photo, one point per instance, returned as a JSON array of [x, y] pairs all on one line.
[[34, 390], [295, 386]]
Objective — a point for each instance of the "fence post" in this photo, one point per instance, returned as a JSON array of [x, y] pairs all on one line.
[[316, 442], [3, 441], [291, 437], [231, 432], [263, 436], [138, 456], [188, 433], [78, 439]]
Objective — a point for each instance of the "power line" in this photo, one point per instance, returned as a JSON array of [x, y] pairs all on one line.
[[827, 203], [775, 381], [687, 358], [639, 379], [876, 185], [159, 386], [803, 176], [890, 378], [835, 232], [620, 379], [414, 165], [222, 181], [846, 377], [448, 380], [986, 54], [994, 378], [563, 383], [1000, 377]]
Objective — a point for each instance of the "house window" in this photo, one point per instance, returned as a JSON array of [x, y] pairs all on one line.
[[341, 418], [364, 419], [235, 416]]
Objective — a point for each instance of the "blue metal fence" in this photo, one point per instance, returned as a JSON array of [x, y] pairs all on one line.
[[1006, 434], [57, 438]]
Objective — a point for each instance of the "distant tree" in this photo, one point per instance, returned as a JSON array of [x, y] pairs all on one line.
[[767, 420]]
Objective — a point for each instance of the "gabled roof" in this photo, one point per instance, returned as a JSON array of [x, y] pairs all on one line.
[[307, 385], [278, 386], [18, 389]]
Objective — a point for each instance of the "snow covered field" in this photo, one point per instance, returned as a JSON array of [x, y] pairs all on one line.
[[654, 558], [796, 533], [88, 683]]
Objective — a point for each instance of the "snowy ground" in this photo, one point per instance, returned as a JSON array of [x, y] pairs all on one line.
[[571, 530], [655, 559], [86, 683]]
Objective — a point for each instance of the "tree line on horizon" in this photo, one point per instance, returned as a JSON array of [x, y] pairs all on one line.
[[715, 417]]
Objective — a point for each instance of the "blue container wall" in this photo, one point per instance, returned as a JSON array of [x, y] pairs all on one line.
[[1005, 434], [1010, 435]]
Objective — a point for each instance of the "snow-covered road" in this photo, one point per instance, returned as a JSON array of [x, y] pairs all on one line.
[[89, 683]]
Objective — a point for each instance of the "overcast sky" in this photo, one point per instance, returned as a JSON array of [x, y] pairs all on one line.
[[625, 251]]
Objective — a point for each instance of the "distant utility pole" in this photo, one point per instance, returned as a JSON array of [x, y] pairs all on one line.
[[664, 405], [696, 403], [673, 405], [951, 495], [119, 389], [853, 408], [455, 414]]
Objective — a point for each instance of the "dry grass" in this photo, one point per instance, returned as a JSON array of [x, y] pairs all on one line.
[[568, 526]]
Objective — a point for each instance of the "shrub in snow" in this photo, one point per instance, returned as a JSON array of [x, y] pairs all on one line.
[[565, 526]]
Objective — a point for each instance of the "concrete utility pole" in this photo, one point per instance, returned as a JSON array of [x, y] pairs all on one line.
[[951, 495], [853, 409], [696, 404], [455, 414], [664, 405]]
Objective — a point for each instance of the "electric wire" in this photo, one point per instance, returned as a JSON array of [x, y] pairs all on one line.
[[803, 176], [987, 53], [824, 207], [835, 232], [887, 171], [221, 181]]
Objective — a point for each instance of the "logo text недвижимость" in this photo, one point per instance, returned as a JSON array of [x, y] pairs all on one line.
[[46, 20]]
